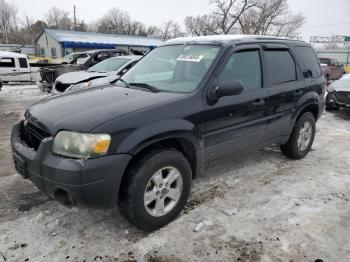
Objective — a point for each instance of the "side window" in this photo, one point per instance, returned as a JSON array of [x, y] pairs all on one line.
[[245, 67], [23, 62], [281, 67], [309, 60], [42, 52], [53, 52], [7, 62], [100, 57]]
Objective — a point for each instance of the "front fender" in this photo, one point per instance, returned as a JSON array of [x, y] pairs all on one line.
[[153, 132]]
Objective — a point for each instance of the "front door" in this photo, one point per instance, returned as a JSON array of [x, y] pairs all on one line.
[[234, 123]]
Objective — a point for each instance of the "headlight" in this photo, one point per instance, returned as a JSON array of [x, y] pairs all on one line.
[[79, 86], [330, 89], [80, 145]]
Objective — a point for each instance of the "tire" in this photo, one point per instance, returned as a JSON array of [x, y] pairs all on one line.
[[291, 149], [139, 181]]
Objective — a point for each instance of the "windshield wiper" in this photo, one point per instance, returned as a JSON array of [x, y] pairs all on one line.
[[146, 86], [124, 82]]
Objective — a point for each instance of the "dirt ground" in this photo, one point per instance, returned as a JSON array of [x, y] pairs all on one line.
[[258, 207]]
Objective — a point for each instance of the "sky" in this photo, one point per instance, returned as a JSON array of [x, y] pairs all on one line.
[[323, 17]]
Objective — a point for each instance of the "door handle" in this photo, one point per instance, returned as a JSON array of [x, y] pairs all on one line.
[[258, 102], [14, 70]]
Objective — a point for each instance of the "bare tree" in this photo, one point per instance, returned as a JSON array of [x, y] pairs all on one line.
[[115, 21], [271, 17], [58, 19], [169, 29], [8, 18], [228, 12], [201, 25]]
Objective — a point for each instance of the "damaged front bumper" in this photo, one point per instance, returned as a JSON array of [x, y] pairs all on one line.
[[89, 183], [339, 99]]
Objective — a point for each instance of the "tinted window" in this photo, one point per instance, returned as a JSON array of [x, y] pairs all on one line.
[[244, 67], [309, 60], [280, 67], [7, 62], [23, 62]]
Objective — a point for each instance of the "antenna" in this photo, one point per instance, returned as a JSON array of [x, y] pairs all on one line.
[[75, 18]]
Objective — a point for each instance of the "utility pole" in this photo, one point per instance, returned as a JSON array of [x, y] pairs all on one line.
[[75, 19]]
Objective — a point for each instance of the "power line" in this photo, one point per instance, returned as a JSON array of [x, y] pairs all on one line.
[[325, 25]]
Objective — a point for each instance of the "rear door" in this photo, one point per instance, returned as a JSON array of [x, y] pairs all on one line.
[[285, 87], [9, 69], [234, 123]]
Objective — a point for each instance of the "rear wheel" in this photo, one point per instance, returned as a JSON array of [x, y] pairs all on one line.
[[155, 189], [302, 137]]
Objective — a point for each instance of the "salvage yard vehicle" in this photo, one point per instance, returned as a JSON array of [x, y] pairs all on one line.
[[67, 59], [112, 66], [140, 143], [15, 67], [339, 94], [336, 70], [82, 62]]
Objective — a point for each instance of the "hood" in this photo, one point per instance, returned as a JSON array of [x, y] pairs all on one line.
[[79, 76], [85, 109], [343, 84]]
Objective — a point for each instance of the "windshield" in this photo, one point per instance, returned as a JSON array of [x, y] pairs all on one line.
[[108, 65], [325, 61], [177, 68]]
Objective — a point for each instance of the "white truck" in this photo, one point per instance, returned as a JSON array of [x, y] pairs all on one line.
[[15, 67]]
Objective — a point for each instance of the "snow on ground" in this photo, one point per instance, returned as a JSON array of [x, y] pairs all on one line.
[[258, 207]]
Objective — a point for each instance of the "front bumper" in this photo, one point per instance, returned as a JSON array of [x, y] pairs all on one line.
[[340, 100], [89, 183]]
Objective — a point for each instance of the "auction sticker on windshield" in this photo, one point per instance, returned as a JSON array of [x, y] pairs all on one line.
[[190, 58]]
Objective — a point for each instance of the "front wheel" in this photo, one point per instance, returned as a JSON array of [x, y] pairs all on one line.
[[302, 137], [155, 189]]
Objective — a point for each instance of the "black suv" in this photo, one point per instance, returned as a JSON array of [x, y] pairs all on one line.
[[139, 142]]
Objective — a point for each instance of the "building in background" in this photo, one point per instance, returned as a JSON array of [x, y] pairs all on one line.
[[58, 43]]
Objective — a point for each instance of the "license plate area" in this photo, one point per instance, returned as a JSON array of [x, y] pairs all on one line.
[[20, 165]]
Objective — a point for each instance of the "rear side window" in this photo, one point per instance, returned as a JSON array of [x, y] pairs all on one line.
[[281, 66], [23, 62], [309, 60]]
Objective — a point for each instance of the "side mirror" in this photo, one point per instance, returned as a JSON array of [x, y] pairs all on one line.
[[226, 89]]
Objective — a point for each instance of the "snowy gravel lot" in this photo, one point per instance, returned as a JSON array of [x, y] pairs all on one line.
[[258, 207]]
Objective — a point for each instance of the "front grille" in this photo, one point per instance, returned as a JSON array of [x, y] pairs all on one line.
[[342, 97], [32, 135]]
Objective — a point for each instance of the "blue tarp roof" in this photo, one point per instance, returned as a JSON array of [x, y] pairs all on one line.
[[75, 39]]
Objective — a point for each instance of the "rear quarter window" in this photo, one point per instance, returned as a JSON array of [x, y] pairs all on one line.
[[309, 60]]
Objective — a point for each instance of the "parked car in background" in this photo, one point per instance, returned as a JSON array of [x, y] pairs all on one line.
[[336, 70], [112, 66], [139, 143], [49, 74], [70, 57], [339, 94], [326, 71], [15, 67]]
